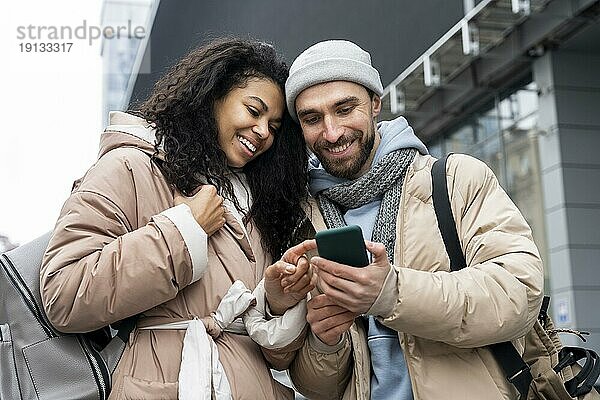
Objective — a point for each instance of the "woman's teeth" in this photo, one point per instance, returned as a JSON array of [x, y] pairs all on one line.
[[246, 143]]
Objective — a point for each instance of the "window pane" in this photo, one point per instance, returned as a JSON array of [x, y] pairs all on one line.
[[461, 140]]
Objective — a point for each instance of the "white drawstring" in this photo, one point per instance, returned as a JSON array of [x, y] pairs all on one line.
[[196, 381]]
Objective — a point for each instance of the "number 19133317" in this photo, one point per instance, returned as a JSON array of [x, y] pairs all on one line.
[[43, 47]]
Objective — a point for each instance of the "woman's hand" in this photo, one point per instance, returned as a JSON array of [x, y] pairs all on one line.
[[207, 208], [289, 279]]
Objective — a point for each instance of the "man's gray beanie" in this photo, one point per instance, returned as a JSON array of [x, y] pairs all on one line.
[[331, 60]]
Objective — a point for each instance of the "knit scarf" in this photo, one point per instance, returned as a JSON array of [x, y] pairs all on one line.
[[384, 178]]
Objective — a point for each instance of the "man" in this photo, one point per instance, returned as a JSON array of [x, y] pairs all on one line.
[[403, 327]]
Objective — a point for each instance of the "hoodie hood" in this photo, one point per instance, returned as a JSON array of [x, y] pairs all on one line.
[[395, 135], [127, 130]]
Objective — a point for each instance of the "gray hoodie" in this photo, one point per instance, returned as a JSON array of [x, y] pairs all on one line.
[[389, 374]]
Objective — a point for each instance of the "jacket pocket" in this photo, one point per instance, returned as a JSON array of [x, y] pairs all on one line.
[[135, 388], [59, 369], [9, 388]]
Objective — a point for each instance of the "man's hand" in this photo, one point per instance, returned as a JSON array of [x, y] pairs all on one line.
[[354, 289], [327, 320], [289, 279], [207, 208]]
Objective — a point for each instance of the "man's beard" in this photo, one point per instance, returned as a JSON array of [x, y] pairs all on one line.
[[346, 168]]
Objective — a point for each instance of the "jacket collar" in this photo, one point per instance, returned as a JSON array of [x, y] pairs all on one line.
[[119, 121], [127, 130]]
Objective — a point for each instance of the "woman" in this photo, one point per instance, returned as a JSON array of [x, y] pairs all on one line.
[[201, 187]]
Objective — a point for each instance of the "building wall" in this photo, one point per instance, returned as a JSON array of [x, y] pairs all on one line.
[[570, 170], [394, 32]]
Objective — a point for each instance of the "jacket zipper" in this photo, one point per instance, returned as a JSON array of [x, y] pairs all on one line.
[[99, 367], [403, 337], [18, 283], [101, 375]]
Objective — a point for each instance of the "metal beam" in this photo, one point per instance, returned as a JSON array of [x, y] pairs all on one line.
[[470, 38], [397, 100], [492, 68], [521, 6]]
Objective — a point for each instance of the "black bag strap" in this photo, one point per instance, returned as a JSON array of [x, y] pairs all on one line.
[[443, 212], [583, 382], [516, 370], [125, 327]]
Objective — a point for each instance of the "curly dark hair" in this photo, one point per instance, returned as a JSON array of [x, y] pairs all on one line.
[[181, 107]]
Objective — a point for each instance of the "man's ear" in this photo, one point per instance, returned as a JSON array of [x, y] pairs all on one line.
[[376, 105]]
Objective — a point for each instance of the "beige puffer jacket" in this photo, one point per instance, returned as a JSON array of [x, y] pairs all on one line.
[[120, 248], [443, 318]]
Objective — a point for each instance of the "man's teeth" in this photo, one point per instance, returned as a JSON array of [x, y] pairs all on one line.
[[341, 148], [246, 143]]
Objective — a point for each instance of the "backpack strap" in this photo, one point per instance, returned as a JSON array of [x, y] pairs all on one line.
[[516, 370], [125, 327], [443, 213]]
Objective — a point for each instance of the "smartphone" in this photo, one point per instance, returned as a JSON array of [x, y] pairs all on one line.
[[343, 245]]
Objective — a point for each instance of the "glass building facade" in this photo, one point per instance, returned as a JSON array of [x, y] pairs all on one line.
[[120, 54]]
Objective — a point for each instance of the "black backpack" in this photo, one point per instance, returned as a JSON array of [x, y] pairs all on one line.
[[37, 361]]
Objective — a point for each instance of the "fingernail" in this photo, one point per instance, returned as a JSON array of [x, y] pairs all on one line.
[[290, 268]]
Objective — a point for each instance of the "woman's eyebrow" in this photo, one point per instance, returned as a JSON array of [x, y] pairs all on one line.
[[263, 105]]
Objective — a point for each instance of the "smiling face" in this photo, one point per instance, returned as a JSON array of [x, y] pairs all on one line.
[[247, 119], [337, 120]]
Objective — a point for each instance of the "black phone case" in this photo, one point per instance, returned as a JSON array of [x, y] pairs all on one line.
[[343, 245]]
